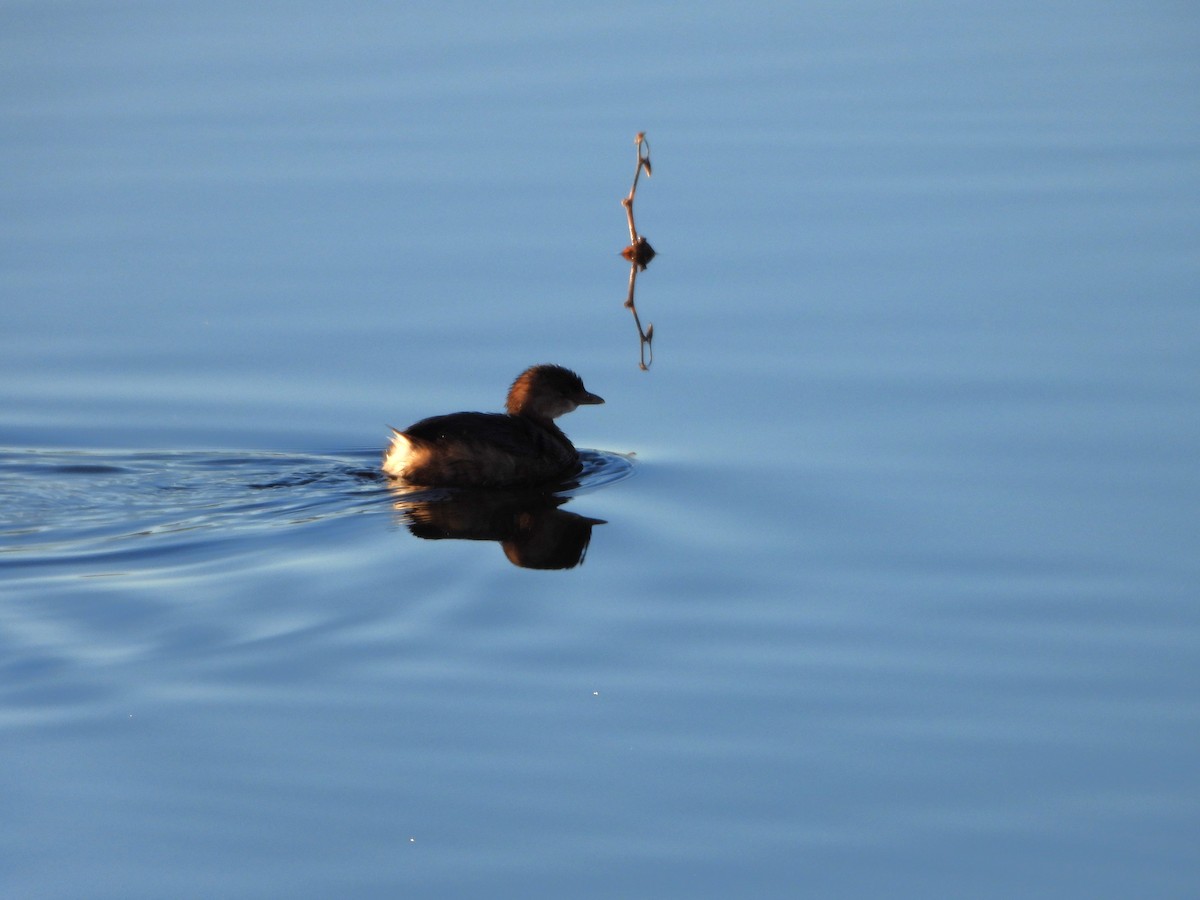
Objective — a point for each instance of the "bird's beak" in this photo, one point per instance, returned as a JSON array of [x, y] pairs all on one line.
[[586, 399]]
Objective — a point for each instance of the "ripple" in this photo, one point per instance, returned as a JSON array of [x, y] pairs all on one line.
[[67, 506], [600, 469]]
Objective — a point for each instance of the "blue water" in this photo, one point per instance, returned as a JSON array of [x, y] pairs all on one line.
[[880, 581]]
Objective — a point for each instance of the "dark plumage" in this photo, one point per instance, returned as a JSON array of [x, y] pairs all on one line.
[[471, 449]]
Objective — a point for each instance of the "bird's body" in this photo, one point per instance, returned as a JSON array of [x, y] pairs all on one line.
[[472, 449]]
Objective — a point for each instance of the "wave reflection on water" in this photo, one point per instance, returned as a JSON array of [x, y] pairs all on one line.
[[72, 507]]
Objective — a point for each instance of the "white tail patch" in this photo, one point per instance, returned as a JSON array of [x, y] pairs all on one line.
[[398, 457]]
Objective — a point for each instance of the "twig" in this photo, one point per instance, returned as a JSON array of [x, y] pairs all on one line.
[[639, 252]]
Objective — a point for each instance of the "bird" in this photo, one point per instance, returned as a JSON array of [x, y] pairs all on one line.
[[518, 448]]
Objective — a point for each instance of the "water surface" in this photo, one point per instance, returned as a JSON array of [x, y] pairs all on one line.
[[881, 578]]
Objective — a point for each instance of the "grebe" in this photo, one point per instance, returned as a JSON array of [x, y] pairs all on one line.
[[472, 449]]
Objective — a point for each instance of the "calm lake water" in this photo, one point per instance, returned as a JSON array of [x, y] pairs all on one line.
[[880, 581]]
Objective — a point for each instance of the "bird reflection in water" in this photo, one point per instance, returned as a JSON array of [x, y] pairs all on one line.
[[530, 525]]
